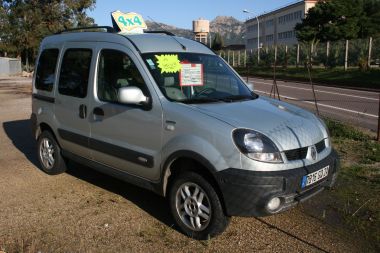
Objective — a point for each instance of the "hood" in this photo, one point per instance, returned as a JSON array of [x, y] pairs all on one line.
[[288, 126]]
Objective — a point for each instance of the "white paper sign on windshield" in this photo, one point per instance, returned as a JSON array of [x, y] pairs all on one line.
[[191, 74]]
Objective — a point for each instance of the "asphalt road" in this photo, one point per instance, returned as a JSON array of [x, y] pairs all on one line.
[[354, 106]]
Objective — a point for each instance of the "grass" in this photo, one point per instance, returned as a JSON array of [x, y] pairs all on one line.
[[357, 193], [337, 76]]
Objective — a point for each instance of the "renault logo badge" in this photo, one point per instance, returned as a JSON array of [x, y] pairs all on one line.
[[313, 153]]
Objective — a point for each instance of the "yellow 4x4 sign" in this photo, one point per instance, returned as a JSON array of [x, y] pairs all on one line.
[[129, 22]]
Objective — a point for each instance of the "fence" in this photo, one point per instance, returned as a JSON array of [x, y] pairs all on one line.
[[354, 53]]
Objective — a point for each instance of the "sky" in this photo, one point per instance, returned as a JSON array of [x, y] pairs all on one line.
[[182, 13]]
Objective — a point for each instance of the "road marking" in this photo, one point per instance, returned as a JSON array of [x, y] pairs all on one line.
[[324, 105], [321, 91]]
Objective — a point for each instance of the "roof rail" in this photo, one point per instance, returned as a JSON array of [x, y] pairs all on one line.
[[164, 32], [109, 29]]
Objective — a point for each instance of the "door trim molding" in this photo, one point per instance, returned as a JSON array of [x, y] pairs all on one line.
[[108, 148], [44, 98]]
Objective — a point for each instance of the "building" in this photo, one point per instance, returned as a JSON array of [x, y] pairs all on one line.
[[277, 27], [10, 66], [201, 29]]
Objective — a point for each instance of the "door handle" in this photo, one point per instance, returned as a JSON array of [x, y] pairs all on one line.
[[82, 111], [98, 111]]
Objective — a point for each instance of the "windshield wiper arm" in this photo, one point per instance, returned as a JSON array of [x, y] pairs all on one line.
[[201, 100], [238, 98]]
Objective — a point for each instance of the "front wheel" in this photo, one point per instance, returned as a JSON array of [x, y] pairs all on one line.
[[196, 207]]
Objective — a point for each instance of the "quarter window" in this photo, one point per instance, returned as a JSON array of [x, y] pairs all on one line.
[[75, 70], [45, 76], [117, 70]]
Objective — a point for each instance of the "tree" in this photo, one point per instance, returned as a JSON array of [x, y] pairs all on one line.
[[29, 21], [370, 21], [3, 29], [340, 19], [217, 43], [330, 21]]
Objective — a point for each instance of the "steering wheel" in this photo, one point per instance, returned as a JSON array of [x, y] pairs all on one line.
[[207, 90]]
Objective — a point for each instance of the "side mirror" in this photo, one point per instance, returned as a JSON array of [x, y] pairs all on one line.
[[132, 95]]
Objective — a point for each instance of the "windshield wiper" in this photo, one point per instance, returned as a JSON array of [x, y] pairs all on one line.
[[201, 100], [238, 98]]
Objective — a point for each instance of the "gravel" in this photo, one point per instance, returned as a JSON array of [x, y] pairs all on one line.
[[85, 211]]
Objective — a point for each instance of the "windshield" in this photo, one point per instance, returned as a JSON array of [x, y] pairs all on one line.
[[196, 78]]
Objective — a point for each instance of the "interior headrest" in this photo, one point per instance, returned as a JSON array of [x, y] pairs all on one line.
[[168, 81]]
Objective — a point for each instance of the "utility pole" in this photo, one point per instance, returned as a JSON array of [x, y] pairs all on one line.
[[258, 35]]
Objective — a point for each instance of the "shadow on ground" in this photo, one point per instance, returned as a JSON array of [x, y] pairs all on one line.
[[150, 202], [19, 132]]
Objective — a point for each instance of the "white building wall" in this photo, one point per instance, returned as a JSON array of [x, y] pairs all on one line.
[[10, 66], [277, 27]]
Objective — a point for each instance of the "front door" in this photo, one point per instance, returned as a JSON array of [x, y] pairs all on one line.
[[125, 137], [71, 108]]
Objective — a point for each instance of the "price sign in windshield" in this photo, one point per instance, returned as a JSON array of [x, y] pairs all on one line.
[[130, 22], [191, 74]]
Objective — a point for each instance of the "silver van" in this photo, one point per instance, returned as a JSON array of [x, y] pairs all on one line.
[[169, 115]]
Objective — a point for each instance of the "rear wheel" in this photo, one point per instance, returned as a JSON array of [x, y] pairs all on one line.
[[49, 154], [196, 207]]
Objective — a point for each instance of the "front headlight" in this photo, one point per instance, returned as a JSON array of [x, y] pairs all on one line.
[[256, 146]]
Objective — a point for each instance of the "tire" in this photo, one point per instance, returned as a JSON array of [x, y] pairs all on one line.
[[49, 154], [202, 217]]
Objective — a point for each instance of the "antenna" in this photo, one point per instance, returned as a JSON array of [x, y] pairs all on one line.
[[183, 46]]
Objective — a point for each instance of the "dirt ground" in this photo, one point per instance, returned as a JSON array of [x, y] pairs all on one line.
[[85, 211]]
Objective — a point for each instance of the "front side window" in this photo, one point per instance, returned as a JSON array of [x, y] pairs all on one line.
[[196, 78], [45, 75], [75, 70], [116, 70]]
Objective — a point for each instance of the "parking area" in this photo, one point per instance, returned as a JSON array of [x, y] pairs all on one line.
[[83, 210]]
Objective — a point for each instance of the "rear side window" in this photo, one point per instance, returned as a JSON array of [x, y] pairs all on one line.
[[45, 76], [75, 70]]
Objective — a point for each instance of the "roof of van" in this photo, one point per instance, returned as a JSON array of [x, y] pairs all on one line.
[[145, 43]]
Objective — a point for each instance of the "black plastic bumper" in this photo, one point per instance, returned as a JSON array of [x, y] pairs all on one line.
[[246, 193]]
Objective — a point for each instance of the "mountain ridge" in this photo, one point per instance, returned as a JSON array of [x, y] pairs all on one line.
[[231, 29]]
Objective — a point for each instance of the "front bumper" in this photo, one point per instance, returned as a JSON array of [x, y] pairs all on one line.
[[246, 193]]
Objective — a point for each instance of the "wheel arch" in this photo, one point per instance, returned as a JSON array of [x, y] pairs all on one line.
[[185, 160], [44, 127]]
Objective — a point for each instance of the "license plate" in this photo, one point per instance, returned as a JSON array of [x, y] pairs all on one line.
[[315, 177]]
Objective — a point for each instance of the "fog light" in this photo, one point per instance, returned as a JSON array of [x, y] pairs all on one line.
[[274, 204]]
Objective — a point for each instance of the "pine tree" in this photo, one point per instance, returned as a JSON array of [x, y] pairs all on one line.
[[29, 21], [370, 20], [217, 43], [340, 19]]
